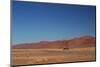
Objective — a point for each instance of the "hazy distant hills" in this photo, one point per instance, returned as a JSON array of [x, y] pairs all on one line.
[[84, 41]]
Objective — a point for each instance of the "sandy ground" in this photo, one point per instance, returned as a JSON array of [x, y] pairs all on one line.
[[45, 56]]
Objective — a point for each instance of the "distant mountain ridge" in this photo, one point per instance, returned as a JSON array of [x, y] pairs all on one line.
[[84, 41]]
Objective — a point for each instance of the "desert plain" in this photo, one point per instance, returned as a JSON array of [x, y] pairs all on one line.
[[79, 52]]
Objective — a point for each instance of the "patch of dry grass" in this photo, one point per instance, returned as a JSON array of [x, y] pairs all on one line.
[[44, 56]]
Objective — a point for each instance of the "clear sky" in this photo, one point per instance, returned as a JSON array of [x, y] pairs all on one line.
[[33, 22]]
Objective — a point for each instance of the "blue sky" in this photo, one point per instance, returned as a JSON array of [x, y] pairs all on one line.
[[33, 22]]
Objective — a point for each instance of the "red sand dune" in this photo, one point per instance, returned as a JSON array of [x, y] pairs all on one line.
[[84, 41]]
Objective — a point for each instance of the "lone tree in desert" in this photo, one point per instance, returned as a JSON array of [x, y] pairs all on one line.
[[65, 47]]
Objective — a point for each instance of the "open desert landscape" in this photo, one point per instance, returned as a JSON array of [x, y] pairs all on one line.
[[74, 50], [45, 56], [52, 33]]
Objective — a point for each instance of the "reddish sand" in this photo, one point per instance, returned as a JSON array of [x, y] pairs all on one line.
[[84, 41]]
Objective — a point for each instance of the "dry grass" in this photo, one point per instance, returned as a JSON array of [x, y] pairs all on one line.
[[44, 56]]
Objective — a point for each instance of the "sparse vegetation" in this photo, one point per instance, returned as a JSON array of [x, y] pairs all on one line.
[[45, 56]]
